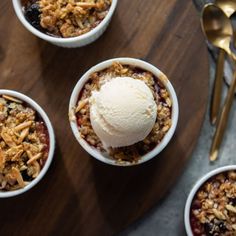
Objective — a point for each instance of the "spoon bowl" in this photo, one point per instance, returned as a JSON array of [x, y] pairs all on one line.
[[217, 27], [228, 6]]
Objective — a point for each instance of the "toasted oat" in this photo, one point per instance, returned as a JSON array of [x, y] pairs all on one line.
[[34, 169], [231, 208], [219, 214]]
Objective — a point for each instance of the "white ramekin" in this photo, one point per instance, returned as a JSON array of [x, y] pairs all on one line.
[[134, 62], [73, 42], [194, 190], [48, 124]]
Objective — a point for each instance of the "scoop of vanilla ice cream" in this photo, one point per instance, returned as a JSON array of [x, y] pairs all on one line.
[[123, 112]]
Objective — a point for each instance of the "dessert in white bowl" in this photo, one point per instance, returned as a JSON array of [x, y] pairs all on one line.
[[65, 23], [121, 122], [211, 205], [27, 143]]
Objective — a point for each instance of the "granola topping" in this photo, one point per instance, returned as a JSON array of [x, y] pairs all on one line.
[[66, 18], [213, 211], [24, 143], [163, 123]]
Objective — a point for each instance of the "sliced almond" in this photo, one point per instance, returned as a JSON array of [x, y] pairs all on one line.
[[79, 10], [2, 159], [22, 168], [86, 4], [13, 150], [10, 98], [79, 23], [34, 158], [8, 139], [17, 156], [16, 173], [23, 135], [31, 147], [24, 125], [35, 148], [81, 105], [29, 154]]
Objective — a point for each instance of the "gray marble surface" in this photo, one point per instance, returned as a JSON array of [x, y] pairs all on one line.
[[166, 219]]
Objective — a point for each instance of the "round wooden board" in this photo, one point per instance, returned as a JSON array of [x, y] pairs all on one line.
[[79, 195]]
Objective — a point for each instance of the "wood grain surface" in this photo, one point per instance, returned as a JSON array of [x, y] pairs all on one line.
[[79, 195]]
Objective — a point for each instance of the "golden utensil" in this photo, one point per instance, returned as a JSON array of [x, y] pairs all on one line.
[[219, 31], [222, 124], [229, 7], [217, 88]]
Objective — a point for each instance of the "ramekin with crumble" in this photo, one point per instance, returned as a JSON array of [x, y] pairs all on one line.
[[212, 205], [166, 112], [25, 143], [66, 23], [65, 18]]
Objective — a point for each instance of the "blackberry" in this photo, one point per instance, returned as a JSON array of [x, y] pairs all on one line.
[[233, 201], [209, 229], [32, 14], [222, 227]]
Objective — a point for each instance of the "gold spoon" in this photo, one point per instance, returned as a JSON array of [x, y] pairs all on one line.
[[229, 7], [219, 31]]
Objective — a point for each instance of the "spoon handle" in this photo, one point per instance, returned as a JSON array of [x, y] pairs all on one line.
[[216, 96], [222, 123]]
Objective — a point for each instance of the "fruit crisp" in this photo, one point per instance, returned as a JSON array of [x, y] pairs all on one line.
[[213, 210], [65, 18], [163, 123], [24, 143]]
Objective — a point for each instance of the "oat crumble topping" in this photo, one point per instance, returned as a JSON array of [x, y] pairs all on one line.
[[163, 123], [23, 143], [213, 210], [66, 18]]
